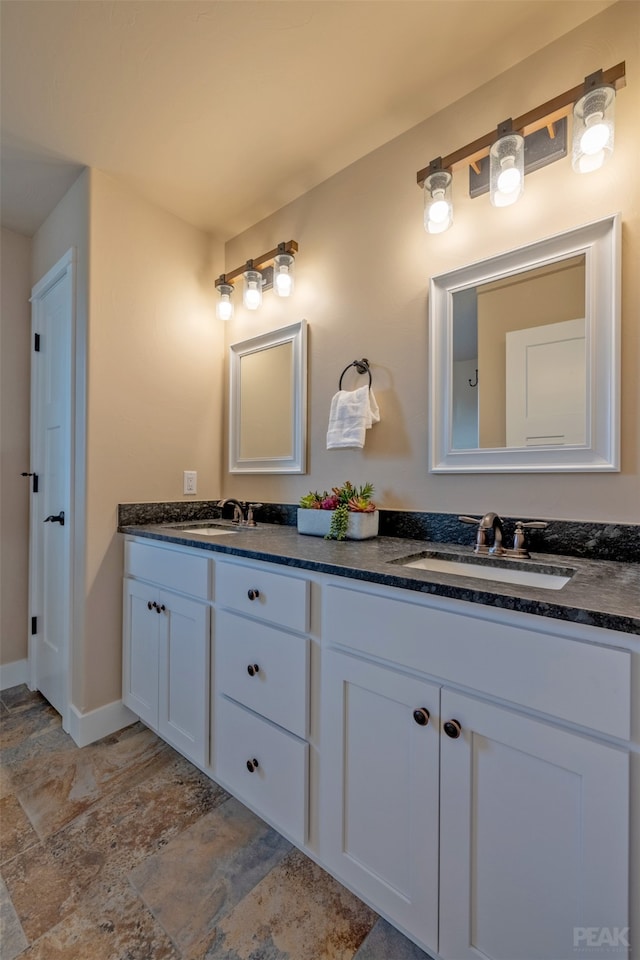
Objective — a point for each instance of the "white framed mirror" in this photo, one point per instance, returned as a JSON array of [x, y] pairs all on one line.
[[268, 402], [524, 358]]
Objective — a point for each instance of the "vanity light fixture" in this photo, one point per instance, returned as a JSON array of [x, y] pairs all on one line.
[[499, 160], [593, 128], [506, 170], [252, 293], [438, 208], [224, 308], [275, 268], [283, 271]]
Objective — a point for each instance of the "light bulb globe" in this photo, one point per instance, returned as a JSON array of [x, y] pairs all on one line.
[[438, 207], [283, 274], [506, 169], [595, 137], [509, 179], [593, 129]]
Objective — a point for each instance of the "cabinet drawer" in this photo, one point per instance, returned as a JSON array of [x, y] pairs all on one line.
[[182, 572], [277, 787], [276, 598], [582, 683], [279, 688]]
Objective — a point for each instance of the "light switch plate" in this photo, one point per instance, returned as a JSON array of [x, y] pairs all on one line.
[[190, 484]]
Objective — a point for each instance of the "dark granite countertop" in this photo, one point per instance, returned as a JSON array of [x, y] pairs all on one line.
[[600, 593]]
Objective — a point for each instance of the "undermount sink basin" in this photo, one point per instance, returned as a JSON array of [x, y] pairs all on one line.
[[524, 573], [203, 529]]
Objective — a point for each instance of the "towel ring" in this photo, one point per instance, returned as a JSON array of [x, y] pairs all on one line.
[[362, 366]]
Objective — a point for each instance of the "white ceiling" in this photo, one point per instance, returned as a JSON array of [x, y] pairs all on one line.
[[221, 111]]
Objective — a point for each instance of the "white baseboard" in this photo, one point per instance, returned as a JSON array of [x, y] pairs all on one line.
[[86, 728], [13, 674]]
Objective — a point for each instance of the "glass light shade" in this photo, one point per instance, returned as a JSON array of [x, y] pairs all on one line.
[[224, 307], [438, 208], [252, 295], [593, 129], [506, 170], [283, 274]]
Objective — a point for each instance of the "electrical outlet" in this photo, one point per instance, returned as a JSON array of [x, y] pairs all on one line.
[[190, 481]]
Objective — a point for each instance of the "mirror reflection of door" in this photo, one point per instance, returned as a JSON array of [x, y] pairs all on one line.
[[546, 385], [490, 313], [466, 385]]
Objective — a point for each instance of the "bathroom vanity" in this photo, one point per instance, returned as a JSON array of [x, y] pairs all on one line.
[[455, 751]]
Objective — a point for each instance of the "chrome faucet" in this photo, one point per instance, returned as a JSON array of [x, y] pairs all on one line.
[[491, 521], [238, 509]]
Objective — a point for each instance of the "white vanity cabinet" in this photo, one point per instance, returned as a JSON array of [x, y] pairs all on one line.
[[260, 712], [166, 641], [470, 765], [487, 832]]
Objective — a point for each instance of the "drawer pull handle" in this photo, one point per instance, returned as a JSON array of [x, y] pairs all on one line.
[[252, 669], [421, 716], [253, 594], [252, 765], [452, 729]]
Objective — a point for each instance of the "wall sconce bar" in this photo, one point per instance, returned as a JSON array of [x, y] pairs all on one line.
[[258, 263], [545, 115], [273, 269]]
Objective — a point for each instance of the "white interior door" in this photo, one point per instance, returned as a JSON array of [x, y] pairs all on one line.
[[51, 453], [546, 385]]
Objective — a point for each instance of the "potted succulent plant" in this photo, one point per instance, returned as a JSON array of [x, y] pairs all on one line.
[[347, 513]]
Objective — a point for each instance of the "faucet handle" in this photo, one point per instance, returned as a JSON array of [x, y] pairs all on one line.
[[519, 539], [470, 519], [250, 521]]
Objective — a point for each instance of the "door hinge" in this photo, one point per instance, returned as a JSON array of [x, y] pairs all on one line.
[[34, 626], [36, 344]]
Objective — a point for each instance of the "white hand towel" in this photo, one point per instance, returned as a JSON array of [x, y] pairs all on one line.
[[352, 413]]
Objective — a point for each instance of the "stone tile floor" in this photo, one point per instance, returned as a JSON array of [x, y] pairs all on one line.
[[125, 851]]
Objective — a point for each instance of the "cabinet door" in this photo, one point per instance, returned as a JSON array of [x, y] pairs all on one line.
[[140, 652], [379, 805], [534, 837], [184, 675]]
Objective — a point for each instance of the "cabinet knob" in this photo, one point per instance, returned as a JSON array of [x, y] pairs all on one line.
[[252, 765], [253, 594], [452, 729], [252, 669], [150, 605], [421, 716], [160, 608]]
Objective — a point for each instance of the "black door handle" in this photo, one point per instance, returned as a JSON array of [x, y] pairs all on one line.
[[59, 519]]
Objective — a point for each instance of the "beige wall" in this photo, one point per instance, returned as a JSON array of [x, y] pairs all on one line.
[[155, 361], [511, 305], [15, 358], [363, 273]]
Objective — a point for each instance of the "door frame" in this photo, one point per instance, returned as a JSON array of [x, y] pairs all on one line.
[[64, 268]]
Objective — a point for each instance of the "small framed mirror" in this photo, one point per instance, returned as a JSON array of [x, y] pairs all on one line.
[[268, 402], [525, 358]]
